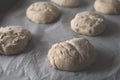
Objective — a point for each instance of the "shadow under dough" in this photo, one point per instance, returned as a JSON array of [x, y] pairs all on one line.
[[83, 3], [103, 62], [112, 29], [5, 5]]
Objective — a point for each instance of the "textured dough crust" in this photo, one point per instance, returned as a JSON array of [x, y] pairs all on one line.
[[13, 39], [107, 6], [72, 55], [42, 12], [67, 3], [88, 23]]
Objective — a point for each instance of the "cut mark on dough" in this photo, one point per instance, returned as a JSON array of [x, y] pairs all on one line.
[[54, 63], [80, 59], [66, 50]]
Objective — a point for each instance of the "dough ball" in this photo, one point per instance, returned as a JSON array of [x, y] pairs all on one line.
[[13, 39], [88, 23], [42, 12], [67, 3], [107, 6], [72, 55]]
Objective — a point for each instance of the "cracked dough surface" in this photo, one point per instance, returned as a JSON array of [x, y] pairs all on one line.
[[88, 23], [72, 55], [42, 12], [67, 3], [107, 6], [13, 39]]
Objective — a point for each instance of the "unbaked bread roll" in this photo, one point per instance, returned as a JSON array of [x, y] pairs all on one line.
[[72, 55], [67, 3], [13, 39], [107, 6], [42, 12], [88, 23]]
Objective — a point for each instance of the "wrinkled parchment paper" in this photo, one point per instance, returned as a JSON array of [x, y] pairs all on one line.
[[33, 64]]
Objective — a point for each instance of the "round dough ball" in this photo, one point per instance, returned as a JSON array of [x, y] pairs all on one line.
[[107, 6], [67, 3], [88, 23], [13, 39], [72, 55], [42, 12]]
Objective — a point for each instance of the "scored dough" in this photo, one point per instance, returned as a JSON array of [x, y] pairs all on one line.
[[13, 39], [67, 3], [88, 23], [107, 6], [72, 55], [42, 12]]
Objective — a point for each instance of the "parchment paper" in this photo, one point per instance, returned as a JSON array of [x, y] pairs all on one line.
[[32, 64]]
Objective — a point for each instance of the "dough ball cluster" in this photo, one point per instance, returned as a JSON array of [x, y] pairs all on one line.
[[72, 55], [88, 23], [67, 3], [107, 6], [42, 12], [13, 39]]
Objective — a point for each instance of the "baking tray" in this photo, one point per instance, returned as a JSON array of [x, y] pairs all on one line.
[[5, 5], [33, 64]]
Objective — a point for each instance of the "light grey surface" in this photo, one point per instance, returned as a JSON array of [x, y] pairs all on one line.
[[32, 64]]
